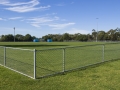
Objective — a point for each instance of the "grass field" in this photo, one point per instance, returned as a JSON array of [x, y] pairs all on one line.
[[103, 77], [46, 45], [100, 77]]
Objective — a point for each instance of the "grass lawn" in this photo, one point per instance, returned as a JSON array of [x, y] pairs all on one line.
[[105, 76], [102, 77], [45, 45]]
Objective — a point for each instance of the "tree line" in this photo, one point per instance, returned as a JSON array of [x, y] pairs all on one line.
[[111, 35], [18, 37]]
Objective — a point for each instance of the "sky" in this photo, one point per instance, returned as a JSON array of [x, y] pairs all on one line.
[[43, 17]]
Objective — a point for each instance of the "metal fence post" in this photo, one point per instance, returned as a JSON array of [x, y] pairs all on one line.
[[4, 56], [63, 59], [103, 53], [34, 63]]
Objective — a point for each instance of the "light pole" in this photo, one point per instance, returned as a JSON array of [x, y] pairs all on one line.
[[97, 30], [14, 34], [118, 29]]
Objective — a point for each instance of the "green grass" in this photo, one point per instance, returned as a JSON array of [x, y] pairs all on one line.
[[102, 77], [51, 61], [45, 45]]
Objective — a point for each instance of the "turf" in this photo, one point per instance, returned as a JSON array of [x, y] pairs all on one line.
[[101, 77], [45, 45], [105, 76]]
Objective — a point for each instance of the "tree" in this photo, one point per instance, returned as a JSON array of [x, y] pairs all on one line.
[[89, 37], [8, 37], [66, 36], [118, 33], [94, 34], [101, 35], [19, 37], [112, 34], [27, 37]]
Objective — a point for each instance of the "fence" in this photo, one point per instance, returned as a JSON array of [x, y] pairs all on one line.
[[41, 63], [19, 60]]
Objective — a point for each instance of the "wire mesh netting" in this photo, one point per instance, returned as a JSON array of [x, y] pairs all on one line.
[[20, 60], [2, 55], [49, 62], [59, 60], [112, 51], [40, 63], [82, 56]]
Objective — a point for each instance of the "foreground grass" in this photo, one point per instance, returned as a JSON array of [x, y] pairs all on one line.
[[105, 76]]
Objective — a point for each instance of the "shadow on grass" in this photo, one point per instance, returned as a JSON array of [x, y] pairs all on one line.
[[43, 45], [79, 69]]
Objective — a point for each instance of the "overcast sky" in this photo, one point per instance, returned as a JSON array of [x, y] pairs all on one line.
[[42, 17]]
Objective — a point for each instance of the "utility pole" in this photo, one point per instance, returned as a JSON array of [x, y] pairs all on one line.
[[14, 34], [97, 31]]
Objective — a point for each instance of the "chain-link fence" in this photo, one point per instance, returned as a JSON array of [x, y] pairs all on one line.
[[19, 60], [41, 63], [112, 51], [1, 55], [49, 61], [53, 61]]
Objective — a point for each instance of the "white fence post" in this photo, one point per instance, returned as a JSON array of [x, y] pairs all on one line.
[[103, 53], [4, 56], [34, 63], [63, 59]]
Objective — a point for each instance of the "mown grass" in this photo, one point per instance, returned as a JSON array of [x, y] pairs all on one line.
[[45, 45], [101, 77], [51, 61]]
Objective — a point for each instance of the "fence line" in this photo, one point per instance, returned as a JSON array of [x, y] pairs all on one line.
[[42, 63], [18, 60]]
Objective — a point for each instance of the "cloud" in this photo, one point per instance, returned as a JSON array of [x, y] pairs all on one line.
[[39, 21], [74, 31], [14, 18], [22, 7], [3, 2], [35, 25], [52, 22], [61, 26], [1, 19], [8, 3]]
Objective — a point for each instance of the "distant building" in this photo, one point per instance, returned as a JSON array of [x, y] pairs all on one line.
[[36, 40]]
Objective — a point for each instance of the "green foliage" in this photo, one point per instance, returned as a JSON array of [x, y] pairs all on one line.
[[8, 37], [111, 35], [66, 36], [27, 37], [18, 37]]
